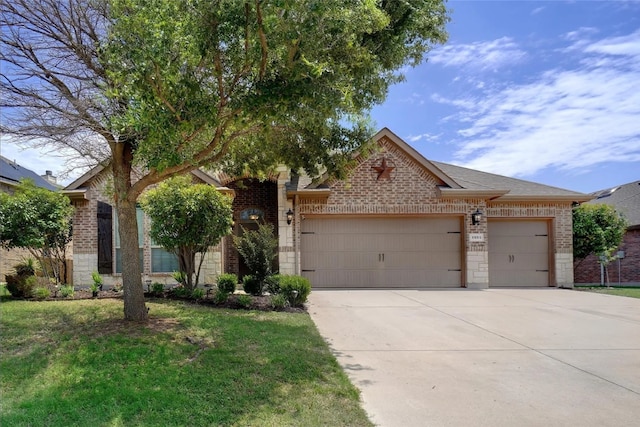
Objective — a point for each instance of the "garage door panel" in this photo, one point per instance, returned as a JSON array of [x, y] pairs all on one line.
[[518, 253], [382, 252]]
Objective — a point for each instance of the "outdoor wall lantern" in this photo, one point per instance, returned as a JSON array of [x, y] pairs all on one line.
[[476, 217], [289, 216]]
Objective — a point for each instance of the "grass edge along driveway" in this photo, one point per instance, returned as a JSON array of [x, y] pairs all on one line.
[[78, 363]]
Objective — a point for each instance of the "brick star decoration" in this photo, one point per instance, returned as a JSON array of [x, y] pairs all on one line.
[[384, 170]]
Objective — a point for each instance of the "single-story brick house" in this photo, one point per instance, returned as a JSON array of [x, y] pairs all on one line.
[[399, 220], [626, 200]]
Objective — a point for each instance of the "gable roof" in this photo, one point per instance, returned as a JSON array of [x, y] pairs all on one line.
[[460, 182], [624, 198], [11, 173], [84, 179]]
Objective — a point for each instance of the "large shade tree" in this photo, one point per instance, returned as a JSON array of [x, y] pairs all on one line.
[[162, 86]]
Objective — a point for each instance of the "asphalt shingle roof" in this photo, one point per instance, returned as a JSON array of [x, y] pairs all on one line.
[[472, 179], [624, 198], [12, 172]]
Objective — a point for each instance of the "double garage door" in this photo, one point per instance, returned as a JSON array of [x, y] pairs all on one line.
[[382, 252]]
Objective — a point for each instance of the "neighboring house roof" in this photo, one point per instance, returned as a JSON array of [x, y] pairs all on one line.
[[625, 199], [11, 173]]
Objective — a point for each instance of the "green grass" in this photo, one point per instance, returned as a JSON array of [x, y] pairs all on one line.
[[78, 363], [623, 292]]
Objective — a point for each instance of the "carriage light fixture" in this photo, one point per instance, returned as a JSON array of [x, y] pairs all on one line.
[[289, 216], [476, 217]]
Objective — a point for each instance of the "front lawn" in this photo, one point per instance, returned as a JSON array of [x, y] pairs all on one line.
[[78, 363], [623, 292]]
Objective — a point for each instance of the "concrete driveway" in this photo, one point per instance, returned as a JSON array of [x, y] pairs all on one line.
[[508, 357]]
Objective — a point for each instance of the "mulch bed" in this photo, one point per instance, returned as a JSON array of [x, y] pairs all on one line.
[[262, 303]]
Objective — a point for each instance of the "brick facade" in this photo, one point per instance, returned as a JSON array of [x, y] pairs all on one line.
[[85, 240], [413, 191], [629, 273]]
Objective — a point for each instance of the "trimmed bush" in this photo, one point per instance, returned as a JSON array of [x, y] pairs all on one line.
[[180, 291], [67, 291], [197, 293], [41, 292], [157, 288], [279, 302], [251, 285], [244, 301], [296, 289], [220, 297], [273, 284], [227, 283]]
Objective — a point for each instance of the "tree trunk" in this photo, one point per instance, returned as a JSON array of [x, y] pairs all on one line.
[[186, 262], [133, 295], [134, 306]]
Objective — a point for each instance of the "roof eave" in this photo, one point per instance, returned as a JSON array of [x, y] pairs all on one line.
[[578, 198], [464, 193], [76, 194], [309, 193]]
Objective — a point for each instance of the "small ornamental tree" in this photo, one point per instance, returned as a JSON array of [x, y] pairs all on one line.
[[40, 221], [258, 250], [187, 219], [597, 229]]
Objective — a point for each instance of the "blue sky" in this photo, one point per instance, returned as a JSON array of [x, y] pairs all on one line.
[[543, 91]]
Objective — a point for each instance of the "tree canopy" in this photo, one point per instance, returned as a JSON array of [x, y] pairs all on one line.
[[187, 219], [165, 86], [40, 221], [597, 229]]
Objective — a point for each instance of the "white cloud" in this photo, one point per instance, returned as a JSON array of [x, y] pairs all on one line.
[[568, 119], [488, 55], [425, 136], [537, 10]]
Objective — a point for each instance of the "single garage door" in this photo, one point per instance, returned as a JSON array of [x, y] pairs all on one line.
[[382, 252], [518, 253]]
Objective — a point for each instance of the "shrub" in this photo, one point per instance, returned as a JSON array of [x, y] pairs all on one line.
[[117, 287], [296, 289], [180, 277], [27, 267], [279, 302], [67, 291], [157, 288], [251, 285], [220, 297], [197, 293], [180, 291], [258, 249], [227, 283], [41, 292], [273, 284], [244, 301], [97, 281]]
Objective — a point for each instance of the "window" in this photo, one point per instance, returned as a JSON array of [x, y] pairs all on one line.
[[163, 261], [251, 214]]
